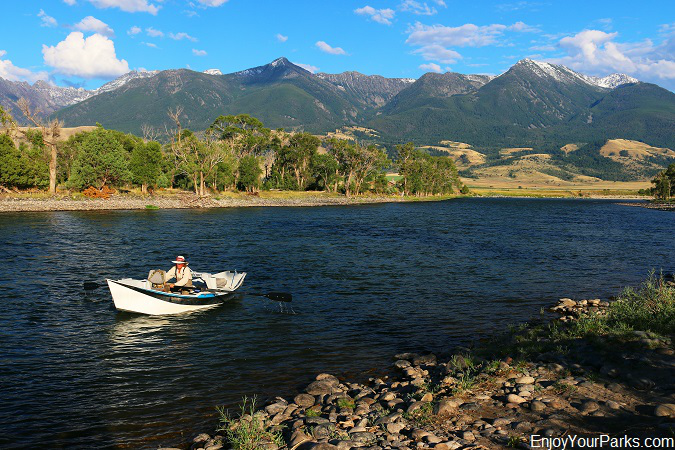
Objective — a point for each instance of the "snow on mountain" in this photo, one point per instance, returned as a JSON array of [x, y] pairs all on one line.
[[124, 79], [615, 80], [213, 72], [564, 74]]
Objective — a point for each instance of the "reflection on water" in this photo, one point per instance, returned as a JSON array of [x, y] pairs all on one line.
[[367, 281]]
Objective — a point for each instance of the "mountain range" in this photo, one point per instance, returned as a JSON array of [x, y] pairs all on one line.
[[532, 105]]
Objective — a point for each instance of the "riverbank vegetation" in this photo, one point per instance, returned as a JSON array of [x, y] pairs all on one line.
[[600, 367], [235, 153]]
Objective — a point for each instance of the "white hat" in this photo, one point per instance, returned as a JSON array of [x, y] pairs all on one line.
[[180, 260]]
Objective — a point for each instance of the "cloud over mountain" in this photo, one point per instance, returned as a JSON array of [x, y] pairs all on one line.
[[93, 57]]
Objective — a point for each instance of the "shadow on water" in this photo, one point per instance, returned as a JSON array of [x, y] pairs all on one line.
[[367, 282]]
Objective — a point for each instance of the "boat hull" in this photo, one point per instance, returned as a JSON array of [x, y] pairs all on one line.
[[128, 297]]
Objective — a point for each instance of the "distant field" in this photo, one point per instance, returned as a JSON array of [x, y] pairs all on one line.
[[497, 186]]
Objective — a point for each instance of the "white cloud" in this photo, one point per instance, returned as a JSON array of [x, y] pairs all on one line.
[[467, 35], [127, 5], [93, 57], [154, 33], [181, 36], [47, 21], [382, 16], [90, 23], [150, 44], [69, 2], [543, 48], [308, 67], [439, 53], [522, 27], [281, 38], [212, 3], [134, 30], [431, 67], [415, 7], [199, 52], [10, 72], [328, 49], [597, 53]]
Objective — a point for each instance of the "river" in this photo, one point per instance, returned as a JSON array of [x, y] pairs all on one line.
[[368, 281]]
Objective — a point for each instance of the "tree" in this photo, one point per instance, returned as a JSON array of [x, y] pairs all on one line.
[[145, 164], [325, 170], [101, 161], [403, 154], [356, 162], [664, 184], [249, 173], [50, 131], [296, 158], [245, 133]]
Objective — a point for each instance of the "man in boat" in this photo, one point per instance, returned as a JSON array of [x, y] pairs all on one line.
[[181, 272]]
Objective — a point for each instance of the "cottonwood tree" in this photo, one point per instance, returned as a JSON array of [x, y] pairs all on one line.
[[356, 162], [404, 154], [145, 164], [296, 158], [51, 131], [244, 133]]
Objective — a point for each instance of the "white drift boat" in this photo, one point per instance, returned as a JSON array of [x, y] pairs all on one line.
[[149, 297]]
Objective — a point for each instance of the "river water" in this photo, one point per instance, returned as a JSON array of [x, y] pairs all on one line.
[[368, 281]]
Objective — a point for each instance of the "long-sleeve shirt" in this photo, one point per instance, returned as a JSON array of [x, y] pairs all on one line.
[[183, 277]]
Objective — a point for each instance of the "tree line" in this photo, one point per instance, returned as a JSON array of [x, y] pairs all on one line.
[[236, 152]]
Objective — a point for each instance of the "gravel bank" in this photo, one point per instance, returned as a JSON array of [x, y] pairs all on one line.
[[183, 201]]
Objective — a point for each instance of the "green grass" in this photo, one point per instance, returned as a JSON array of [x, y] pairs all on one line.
[[153, 207], [345, 402], [249, 431], [312, 412]]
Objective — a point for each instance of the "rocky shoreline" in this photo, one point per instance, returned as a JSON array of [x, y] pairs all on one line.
[[649, 205], [181, 201], [513, 392]]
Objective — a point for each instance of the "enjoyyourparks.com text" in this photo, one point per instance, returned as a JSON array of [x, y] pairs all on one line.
[[601, 441]]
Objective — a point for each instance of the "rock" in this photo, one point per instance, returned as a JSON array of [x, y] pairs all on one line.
[[468, 436], [418, 434], [665, 410], [323, 446], [328, 378], [304, 400], [427, 397], [316, 420], [275, 408], [567, 303], [589, 406], [363, 437], [446, 406], [537, 406], [203, 437], [395, 428], [501, 422], [472, 406], [298, 438], [450, 445], [402, 364], [427, 360], [321, 387], [611, 404], [525, 380], [323, 430], [614, 387], [432, 439], [513, 398]]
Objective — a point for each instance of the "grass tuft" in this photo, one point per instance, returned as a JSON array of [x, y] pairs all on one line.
[[250, 431]]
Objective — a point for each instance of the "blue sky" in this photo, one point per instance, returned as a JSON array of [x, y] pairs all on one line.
[[89, 42]]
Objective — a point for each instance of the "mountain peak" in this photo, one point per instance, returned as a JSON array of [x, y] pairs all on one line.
[[213, 72], [565, 74], [279, 68]]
